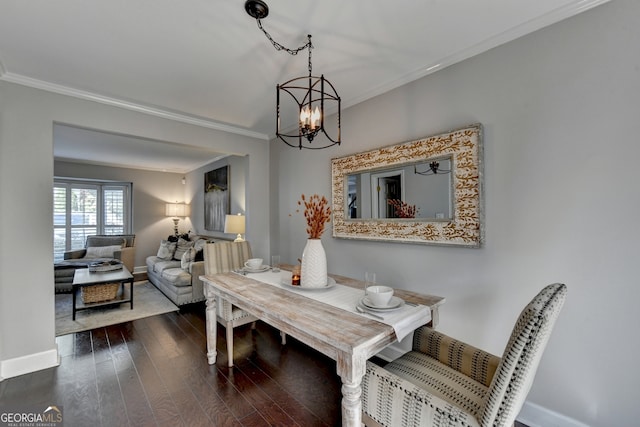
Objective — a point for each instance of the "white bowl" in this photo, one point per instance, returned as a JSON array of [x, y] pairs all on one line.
[[379, 295], [253, 263]]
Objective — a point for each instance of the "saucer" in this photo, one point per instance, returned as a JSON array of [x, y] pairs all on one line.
[[330, 284], [394, 303], [256, 270]]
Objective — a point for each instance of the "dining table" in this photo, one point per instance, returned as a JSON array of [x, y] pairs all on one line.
[[327, 320]]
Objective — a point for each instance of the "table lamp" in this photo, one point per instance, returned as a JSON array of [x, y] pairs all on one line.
[[176, 210], [235, 224]]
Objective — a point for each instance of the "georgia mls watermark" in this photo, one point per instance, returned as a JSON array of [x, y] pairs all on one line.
[[31, 416]]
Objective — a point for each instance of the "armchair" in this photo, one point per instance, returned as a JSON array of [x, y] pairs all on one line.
[[81, 258], [445, 382], [126, 254]]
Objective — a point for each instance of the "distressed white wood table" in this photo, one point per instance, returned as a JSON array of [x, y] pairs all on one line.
[[346, 337]]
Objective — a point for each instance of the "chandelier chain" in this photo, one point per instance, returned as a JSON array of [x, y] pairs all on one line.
[[278, 46], [310, 94]]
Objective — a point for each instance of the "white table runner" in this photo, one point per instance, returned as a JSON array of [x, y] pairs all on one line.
[[403, 320]]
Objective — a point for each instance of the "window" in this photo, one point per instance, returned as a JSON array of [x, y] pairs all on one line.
[[84, 208]]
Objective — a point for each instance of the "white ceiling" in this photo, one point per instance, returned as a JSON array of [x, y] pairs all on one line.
[[206, 62], [101, 148]]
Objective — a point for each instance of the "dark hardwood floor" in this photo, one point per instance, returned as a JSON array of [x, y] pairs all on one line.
[[154, 371]]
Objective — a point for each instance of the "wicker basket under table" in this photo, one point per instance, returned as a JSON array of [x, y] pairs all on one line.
[[101, 289], [99, 293]]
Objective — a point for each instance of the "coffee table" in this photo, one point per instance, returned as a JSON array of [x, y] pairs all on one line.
[[83, 277]]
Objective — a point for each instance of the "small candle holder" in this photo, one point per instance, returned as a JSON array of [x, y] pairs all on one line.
[[295, 275]]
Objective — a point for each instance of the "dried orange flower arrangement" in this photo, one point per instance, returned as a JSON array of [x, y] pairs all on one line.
[[317, 212], [403, 209]]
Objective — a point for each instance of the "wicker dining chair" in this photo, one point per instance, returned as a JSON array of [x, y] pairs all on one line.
[[445, 382]]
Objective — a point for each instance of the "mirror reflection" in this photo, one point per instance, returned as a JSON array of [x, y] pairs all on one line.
[[421, 190], [436, 179]]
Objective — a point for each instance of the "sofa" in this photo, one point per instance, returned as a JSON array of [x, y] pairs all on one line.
[[176, 269], [97, 248]]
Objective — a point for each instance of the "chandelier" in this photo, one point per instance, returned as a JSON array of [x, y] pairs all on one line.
[[312, 95], [434, 168]]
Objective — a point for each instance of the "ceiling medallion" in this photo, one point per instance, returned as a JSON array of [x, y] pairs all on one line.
[[312, 95]]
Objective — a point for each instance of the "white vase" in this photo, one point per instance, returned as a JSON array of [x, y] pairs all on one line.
[[314, 265]]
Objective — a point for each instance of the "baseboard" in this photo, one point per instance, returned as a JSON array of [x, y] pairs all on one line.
[[139, 269], [537, 416], [30, 363], [140, 273]]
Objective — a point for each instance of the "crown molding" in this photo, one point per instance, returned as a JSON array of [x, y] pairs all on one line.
[[511, 34], [559, 14], [114, 102], [122, 165]]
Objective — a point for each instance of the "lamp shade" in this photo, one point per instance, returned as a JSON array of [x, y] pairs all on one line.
[[234, 224], [177, 209]]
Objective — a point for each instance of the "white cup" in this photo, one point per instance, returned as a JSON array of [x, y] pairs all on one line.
[[253, 263], [379, 296]]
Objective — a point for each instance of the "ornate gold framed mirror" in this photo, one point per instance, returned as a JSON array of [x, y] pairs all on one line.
[[424, 191]]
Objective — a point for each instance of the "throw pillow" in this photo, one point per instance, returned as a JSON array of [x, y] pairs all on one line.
[[187, 258], [199, 244], [183, 246], [102, 251], [166, 250], [176, 237]]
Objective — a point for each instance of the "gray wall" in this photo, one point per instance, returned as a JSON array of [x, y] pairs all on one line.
[[559, 109], [151, 192], [238, 179], [26, 179]]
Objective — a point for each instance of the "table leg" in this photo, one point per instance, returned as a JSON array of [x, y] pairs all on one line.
[[351, 370], [435, 317], [211, 325], [73, 310], [131, 293], [351, 404]]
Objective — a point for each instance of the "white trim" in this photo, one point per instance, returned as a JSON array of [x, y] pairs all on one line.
[[525, 28], [375, 188], [30, 363], [128, 105], [139, 269], [536, 416], [552, 17]]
